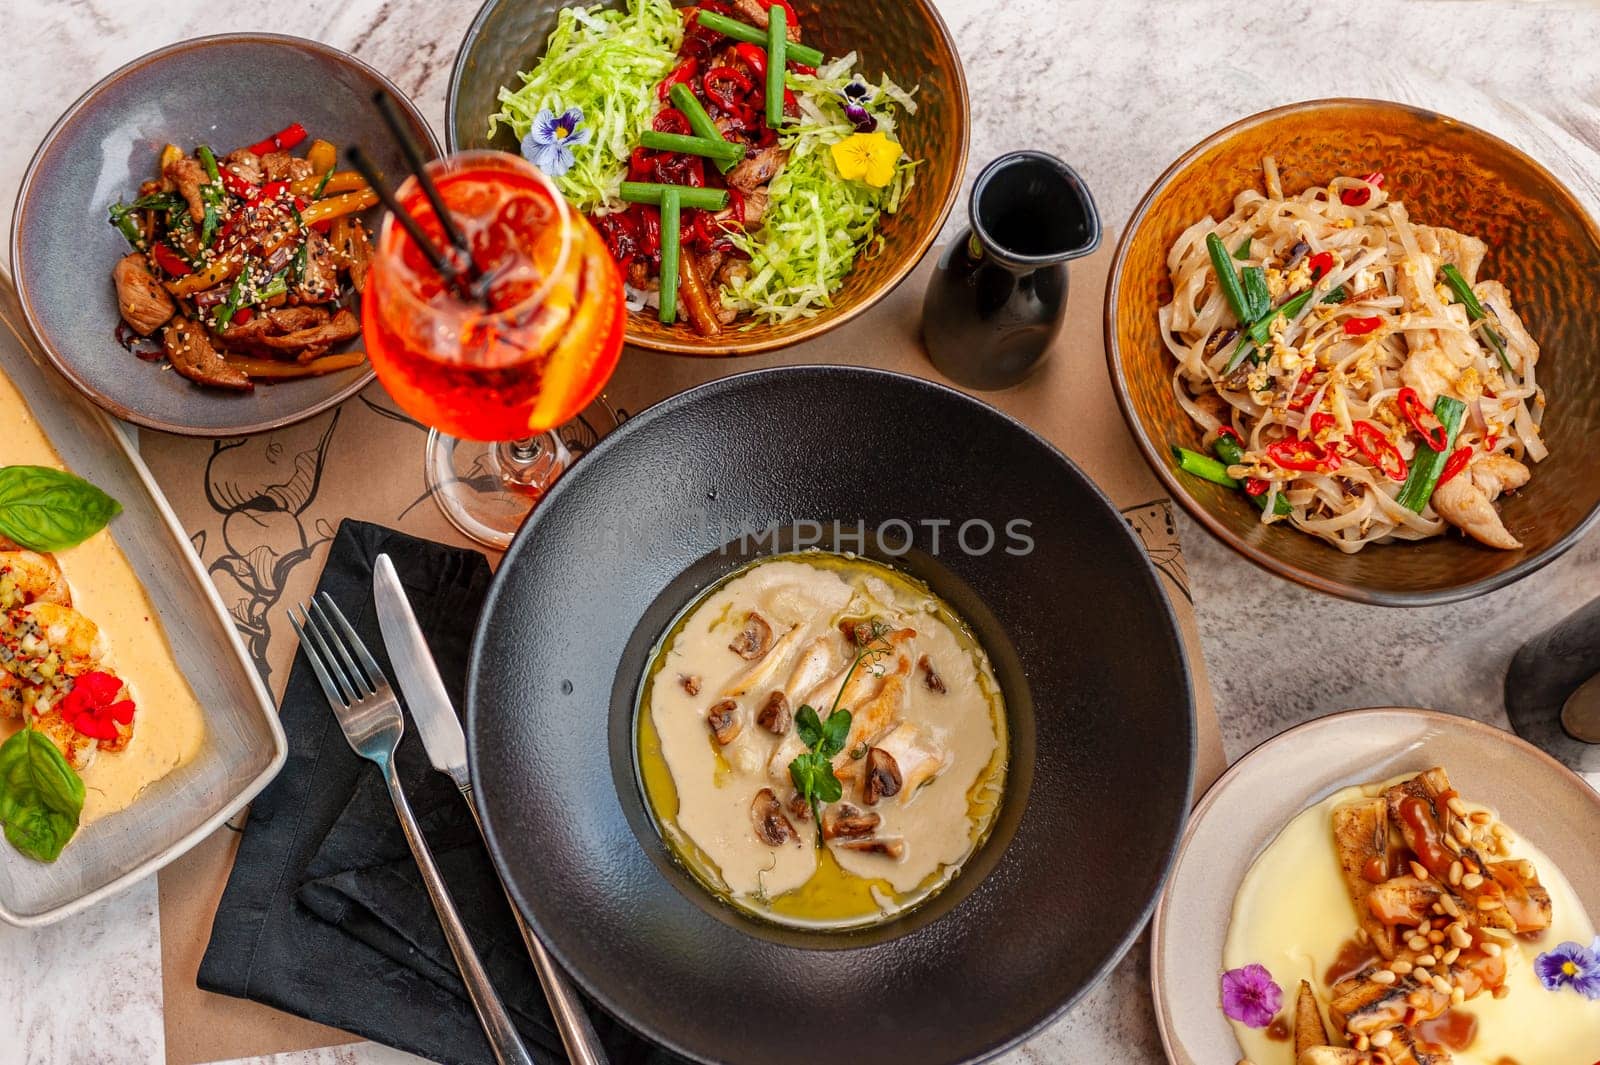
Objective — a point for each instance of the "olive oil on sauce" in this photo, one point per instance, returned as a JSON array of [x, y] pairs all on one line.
[[832, 898], [169, 726]]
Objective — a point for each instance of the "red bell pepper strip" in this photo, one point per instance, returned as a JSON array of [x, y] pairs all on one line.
[[236, 184], [1456, 463], [281, 141], [168, 260], [1320, 264], [752, 57], [1359, 197], [681, 74], [1428, 427], [1360, 327], [1379, 450], [671, 120], [1303, 455], [717, 81]]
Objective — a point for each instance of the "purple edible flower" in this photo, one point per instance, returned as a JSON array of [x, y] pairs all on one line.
[[857, 94], [1250, 996], [549, 143], [1571, 965]]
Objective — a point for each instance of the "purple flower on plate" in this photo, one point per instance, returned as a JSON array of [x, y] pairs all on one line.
[[857, 94], [1571, 965], [1250, 996], [549, 143]]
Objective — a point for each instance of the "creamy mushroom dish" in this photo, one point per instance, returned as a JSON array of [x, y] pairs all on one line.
[[819, 689], [1421, 927]]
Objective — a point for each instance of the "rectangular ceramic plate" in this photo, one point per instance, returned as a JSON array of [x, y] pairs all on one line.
[[244, 745]]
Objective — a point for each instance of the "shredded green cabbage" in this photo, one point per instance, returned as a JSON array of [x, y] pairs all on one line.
[[606, 63], [817, 224]]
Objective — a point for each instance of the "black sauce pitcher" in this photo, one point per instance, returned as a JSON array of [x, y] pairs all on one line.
[[999, 295], [1553, 690]]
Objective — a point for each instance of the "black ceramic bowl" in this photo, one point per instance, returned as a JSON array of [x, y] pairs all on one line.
[[1082, 641], [225, 91]]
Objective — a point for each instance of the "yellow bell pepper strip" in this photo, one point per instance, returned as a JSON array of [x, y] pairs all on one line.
[[219, 271], [328, 183], [322, 156], [272, 369], [325, 210]]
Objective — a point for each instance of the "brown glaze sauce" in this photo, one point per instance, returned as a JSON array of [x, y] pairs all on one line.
[[1278, 1030], [1353, 958], [1451, 1029], [1418, 816]]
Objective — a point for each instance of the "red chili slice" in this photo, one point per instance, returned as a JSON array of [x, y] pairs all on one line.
[[1359, 197], [1360, 327], [753, 57], [720, 84], [1455, 464], [1320, 264], [1303, 455], [1228, 430], [681, 74], [1302, 399], [1375, 445], [1428, 427], [1321, 420]]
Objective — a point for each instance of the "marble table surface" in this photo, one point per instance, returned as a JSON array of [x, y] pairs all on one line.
[[1117, 88]]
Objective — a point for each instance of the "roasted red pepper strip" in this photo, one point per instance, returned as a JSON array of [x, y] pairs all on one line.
[[671, 120], [1455, 464], [1360, 327], [752, 57], [1422, 420], [1375, 445], [683, 73], [281, 141], [1303, 455], [1320, 264], [717, 84], [168, 260], [1359, 197]]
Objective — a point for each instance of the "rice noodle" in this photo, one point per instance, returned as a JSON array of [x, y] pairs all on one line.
[[1388, 267]]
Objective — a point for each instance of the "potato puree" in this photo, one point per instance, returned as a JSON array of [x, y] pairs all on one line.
[[1293, 914], [168, 726], [931, 700]]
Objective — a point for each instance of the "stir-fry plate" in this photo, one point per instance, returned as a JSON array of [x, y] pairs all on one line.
[[227, 92], [1244, 812], [1083, 645]]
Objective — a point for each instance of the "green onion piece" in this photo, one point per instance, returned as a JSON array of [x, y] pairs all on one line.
[[323, 184], [1261, 331], [278, 286], [235, 300], [653, 193], [1245, 350], [777, 63], [1232, 454], [677, 142], [1338, 295], [684, 99], [1256, 291], [1203, 466], [1475, 310], [671, 208], [209, 161], [1231, 291], [1427, 464], [127, 225], [297, 265], [741, 31], [1243, 251]]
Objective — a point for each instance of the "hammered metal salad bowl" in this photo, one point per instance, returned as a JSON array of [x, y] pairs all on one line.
[[903, 39]]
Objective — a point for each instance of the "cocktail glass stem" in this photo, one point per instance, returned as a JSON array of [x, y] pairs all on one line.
[[487, 489]]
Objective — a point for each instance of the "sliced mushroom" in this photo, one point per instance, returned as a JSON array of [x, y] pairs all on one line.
[[775, 715], [883, 777], [691, 683], [754, 640], [930, 676], [799, 809], [889, 848], [772, 828], [723, 720], [846, 822]]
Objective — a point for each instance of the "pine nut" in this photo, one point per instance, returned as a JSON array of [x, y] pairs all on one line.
[[1460, 936], [1480, 817], [1381, 976], [1455, 872], [1427, 961], [1418, 871], [1417, 942], [1451, 955], [1472, 881], [1383, 1038], [1458, 996], [1492, 949], [1456, 806], [1490, 904], [1400, 967], [1441, 985], [1436, 937]]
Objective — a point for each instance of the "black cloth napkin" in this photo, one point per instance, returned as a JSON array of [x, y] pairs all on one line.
[[325, 914]]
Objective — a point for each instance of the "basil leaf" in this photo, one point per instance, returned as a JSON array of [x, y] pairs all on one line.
[[41, 797], [50, 510], [834, 732], [808, 725], [828, 788]]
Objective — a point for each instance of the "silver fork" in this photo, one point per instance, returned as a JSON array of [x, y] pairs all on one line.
[[369, 714]]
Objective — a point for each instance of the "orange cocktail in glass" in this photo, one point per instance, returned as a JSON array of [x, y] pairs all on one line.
[[505, 356]]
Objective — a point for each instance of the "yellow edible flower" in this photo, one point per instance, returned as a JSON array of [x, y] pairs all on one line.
[[868, 157]]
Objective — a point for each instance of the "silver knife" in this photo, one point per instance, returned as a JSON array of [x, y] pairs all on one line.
[[446, 744]]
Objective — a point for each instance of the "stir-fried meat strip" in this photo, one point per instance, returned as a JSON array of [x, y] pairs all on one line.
[[340, 327], [274, 322], [246, 164], [352, 250], [757, 168], [320, 279], [755, 13], [187, 175], [281, 166], [193, 356], [144, 304]]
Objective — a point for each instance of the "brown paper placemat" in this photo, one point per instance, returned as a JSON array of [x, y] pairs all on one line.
[[262, 510]]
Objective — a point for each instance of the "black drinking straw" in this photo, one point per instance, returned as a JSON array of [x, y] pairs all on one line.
[[436, 258], [419, 166]]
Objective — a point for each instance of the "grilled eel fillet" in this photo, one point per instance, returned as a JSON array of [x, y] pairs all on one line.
[[1361, 836]]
